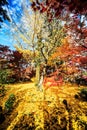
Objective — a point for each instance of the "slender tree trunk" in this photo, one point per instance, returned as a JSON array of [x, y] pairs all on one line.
[[40, 77], [37, 74]]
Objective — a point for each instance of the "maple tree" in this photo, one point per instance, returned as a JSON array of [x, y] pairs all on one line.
[[72, 57], [56, 7], [21, 69], [13, 67]]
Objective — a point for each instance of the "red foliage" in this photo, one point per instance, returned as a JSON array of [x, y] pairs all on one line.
[[83, 60], [58, 6], [17, 55], [53, 80], [16, 63]]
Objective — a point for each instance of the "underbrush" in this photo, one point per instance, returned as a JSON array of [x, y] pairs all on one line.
[[9, 103], [2, 90]]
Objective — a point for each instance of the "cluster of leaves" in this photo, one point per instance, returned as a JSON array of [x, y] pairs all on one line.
[[9, 103], [5, 76]]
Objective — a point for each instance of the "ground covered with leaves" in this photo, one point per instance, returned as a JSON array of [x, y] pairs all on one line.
[[24, 107]]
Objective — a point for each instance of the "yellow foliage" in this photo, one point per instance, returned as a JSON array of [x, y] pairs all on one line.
[[43, 107]]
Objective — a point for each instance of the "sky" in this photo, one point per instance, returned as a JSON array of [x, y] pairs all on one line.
[[15, 7]]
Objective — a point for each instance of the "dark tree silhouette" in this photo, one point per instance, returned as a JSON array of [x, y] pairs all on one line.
[[3, 11]]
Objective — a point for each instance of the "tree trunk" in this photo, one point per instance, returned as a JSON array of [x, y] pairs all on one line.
[[40, 77], [37, 74]]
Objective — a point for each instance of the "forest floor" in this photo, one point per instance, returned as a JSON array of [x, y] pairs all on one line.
[[53, 109]]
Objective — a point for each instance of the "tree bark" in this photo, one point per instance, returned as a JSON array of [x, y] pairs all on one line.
[[40, 77], [37, 74]]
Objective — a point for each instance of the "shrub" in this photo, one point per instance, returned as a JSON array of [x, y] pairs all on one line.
[[2, 90], [81, 81], [5, 76], [83, 93], [9, 103]]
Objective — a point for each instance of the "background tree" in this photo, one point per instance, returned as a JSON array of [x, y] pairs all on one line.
[[13, 67], [71, 57], [5, 72], [3, 11]]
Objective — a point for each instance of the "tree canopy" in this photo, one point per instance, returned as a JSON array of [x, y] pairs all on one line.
[[57, 6]]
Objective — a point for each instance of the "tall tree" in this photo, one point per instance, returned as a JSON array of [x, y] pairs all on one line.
[[37, 37]]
